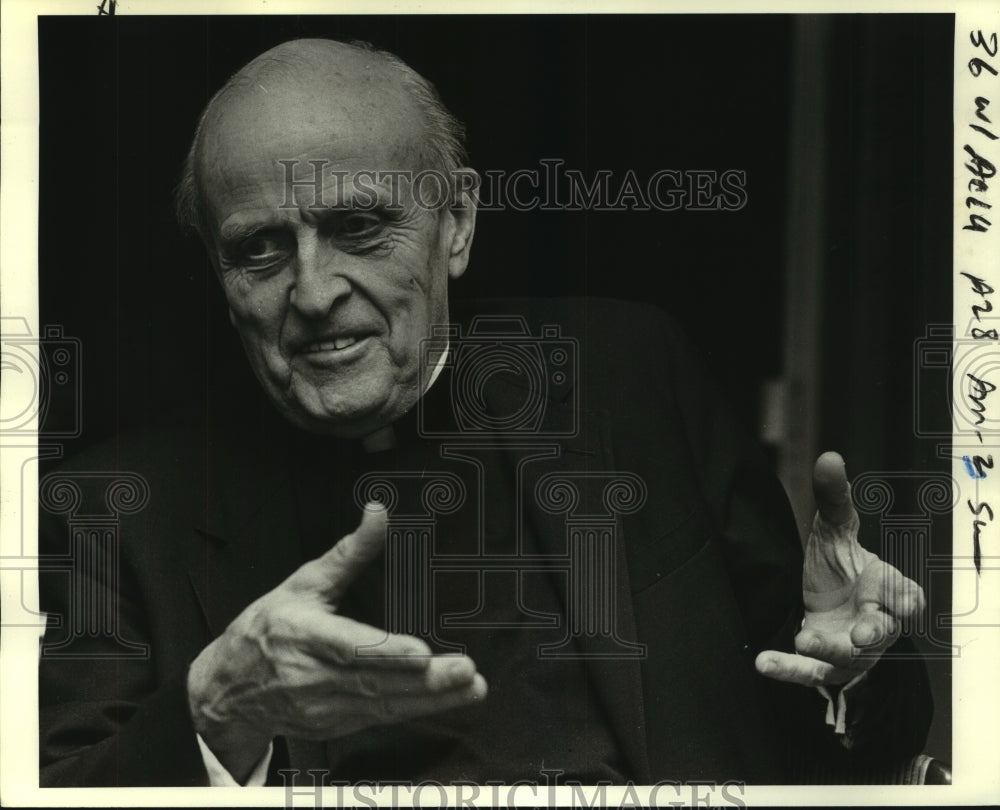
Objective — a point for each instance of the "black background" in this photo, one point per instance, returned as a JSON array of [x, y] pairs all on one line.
[[120, 97]]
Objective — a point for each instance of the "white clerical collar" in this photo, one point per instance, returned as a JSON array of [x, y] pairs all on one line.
[[385, 438]]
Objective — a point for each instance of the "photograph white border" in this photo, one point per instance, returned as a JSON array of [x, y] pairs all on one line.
[[976, 704]]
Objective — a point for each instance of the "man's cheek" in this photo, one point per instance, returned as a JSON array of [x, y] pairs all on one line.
[[239, 310], [261, 346]]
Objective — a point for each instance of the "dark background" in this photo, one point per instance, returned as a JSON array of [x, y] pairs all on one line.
[[120, 97]]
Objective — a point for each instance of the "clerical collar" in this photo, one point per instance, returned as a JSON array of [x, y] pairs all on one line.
[[385, 437]]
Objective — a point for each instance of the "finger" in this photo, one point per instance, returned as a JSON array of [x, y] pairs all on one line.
[[873, 633], [444, 673], [834, 649], [395, 708], [346, 642], [831, 489], [800, 669], [317, 715], [332, 573], [833, 557], [857, 650], [883, 587], [902, 597]]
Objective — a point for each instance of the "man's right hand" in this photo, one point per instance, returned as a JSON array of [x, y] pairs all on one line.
[[289, 665]]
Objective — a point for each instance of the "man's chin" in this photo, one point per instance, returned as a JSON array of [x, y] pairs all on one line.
[[347, 418]]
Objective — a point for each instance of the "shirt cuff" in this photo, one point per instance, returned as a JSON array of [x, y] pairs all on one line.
[[218, 776], [836, 715]]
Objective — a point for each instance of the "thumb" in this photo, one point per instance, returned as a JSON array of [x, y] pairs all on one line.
[[833, 557], [331, 574], [831, 490]]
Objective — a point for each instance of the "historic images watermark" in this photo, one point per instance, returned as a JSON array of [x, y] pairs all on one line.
[[548, 791], [550, 186]]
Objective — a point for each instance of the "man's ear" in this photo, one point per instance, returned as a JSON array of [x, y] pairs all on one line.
[[465, 201]]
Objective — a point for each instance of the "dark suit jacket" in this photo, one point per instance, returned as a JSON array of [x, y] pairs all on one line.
[[709, 574]]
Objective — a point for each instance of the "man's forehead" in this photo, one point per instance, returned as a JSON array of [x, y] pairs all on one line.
[[358, 113], [319, 71]]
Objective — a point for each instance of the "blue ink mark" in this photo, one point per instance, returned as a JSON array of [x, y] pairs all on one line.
[[972, 470]]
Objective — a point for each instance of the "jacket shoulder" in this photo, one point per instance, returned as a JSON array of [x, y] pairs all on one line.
[[581, 314]]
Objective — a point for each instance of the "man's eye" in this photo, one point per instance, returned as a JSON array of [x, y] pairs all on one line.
[[262, 250], [359, 225]]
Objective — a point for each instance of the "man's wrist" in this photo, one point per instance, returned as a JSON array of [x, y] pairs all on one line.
[[238, 747]]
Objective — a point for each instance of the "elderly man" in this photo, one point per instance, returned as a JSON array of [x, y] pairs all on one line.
[[268, 636]]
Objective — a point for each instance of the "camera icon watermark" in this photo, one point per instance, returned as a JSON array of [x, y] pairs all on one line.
[[42, 377], [537, 367], [954, 375]]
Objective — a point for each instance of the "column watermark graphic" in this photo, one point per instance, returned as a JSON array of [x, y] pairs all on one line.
[[92, 561]]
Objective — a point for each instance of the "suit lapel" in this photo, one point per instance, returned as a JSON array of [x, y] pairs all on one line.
[[250, 534], [584, 458]]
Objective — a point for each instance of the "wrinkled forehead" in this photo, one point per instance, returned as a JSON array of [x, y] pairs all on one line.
[[268, 125]]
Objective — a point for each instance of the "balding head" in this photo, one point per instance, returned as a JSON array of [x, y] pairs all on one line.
[[305, 81]]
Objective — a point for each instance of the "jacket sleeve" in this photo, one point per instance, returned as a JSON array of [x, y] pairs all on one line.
[[112, 713]]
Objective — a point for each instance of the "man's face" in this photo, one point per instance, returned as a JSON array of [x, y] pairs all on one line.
[[331, 301]]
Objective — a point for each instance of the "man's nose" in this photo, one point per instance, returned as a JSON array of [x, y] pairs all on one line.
[[319, 281]]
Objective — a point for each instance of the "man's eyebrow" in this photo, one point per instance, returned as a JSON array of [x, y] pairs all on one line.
[[382, 207], [361, 199], [238, 231]]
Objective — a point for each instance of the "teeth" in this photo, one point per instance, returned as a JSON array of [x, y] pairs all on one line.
[[332, 345]]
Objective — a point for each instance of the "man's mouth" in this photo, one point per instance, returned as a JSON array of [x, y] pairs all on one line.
[[337, 344], [334, 348]]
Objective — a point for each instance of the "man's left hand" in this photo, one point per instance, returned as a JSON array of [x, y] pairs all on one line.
[[855, 603]]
